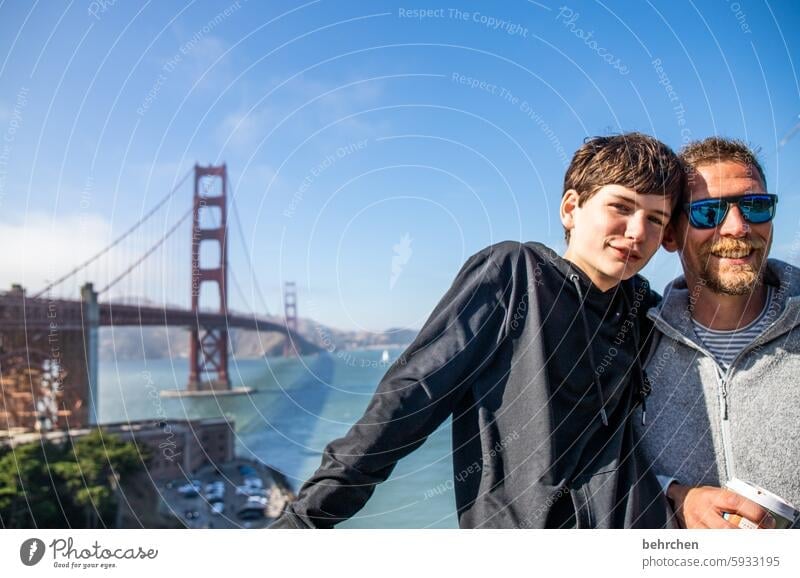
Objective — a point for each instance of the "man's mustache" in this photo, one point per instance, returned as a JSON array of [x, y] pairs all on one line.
[[726, 244]]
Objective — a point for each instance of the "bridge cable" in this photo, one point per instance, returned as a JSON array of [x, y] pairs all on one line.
[[239, 228], [149, 252], [116, 241]]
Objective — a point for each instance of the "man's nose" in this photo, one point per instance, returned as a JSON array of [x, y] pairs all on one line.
[[734, 224]]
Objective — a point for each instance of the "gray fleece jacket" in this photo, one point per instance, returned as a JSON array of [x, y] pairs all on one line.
[[705, 425]]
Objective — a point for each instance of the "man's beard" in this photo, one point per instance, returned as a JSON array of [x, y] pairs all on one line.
[[732, 279]]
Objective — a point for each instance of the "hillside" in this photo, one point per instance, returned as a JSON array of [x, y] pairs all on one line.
[[128, 343]]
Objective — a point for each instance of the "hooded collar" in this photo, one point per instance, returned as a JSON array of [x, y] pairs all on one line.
[[568, 269]]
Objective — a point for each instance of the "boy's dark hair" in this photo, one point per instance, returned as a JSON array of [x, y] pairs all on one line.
[[632, 160], [717, 149]]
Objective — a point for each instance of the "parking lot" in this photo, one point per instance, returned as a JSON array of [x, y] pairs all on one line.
[[238, 494]]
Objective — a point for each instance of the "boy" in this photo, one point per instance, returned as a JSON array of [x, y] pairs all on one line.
[[535, 357]]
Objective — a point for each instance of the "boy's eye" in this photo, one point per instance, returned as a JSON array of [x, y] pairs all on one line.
[[620, 208], [657, 221]]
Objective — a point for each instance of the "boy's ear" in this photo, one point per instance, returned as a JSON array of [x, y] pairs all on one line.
[[670, 238], [569, 202]]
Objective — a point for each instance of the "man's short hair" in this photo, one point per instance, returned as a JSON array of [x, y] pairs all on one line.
[[632, 160], [717, 149]]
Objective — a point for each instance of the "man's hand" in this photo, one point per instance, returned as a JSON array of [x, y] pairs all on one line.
[[703, 506]]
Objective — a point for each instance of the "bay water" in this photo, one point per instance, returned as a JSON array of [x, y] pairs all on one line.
[[298, 406]]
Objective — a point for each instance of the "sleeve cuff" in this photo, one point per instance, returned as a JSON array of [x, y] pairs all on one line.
[[665, 482]]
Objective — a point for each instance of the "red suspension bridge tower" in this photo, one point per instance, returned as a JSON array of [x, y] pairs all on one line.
[[208, 345], [290, 317]]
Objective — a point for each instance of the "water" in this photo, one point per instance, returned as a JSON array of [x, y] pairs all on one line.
[[298, 407]]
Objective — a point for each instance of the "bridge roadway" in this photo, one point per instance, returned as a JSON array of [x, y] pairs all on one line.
[[25, 313]]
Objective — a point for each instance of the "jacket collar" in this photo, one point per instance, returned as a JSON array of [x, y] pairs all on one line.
[[672, 315]]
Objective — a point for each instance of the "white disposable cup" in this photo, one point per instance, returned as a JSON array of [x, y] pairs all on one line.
[[782, 511]]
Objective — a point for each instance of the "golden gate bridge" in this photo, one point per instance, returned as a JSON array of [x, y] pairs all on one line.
[[49, 347]]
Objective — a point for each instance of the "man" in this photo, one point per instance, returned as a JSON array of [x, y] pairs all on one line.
[[535, 357], [725, 398]]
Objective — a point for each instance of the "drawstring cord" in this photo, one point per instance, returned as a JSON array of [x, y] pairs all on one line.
[[645, 385], [574, 278]]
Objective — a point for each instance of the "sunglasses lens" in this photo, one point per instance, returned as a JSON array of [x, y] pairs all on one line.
[[710, 213], [758, 209], [707, 214]]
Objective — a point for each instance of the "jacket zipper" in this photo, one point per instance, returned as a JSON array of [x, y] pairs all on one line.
[[722, 390], [723, 379], [725, 423]]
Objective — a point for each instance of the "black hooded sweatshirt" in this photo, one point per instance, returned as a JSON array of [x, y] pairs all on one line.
[[539, 370]]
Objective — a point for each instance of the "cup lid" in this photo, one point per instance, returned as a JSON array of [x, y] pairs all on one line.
[[763, 497]]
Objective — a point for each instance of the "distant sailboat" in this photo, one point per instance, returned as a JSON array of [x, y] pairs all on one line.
[[385, 356]]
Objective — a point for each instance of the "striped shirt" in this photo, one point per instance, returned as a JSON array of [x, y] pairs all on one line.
[[726, 345]]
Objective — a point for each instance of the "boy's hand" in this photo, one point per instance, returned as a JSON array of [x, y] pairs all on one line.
[[703, 506]]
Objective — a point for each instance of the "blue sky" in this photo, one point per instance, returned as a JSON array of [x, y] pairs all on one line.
[[371, 146]]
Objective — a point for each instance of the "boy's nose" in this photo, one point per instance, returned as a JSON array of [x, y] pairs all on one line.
[[635, 229]]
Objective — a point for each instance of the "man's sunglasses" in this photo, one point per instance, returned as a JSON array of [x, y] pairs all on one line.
[[710, 213]]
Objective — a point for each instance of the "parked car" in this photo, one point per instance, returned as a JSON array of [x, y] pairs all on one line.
[[215, 491], [190, 490], [250, 491], [217, 508], [191, 514], [253, 482], [250, 513], [257, 501], [215, 497]]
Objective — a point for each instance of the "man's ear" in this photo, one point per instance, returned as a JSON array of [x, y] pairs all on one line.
[[569, 202], [670, 238]]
